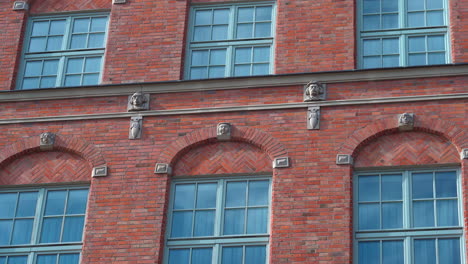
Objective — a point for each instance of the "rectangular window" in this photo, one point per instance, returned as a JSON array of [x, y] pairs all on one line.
[[63, 51], [397, 33], [221, 221], [230, 40], [408, 217], [42, 226]]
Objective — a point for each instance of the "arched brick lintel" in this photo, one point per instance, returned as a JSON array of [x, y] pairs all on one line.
[[270, 145], [63, 143], [361, 137]]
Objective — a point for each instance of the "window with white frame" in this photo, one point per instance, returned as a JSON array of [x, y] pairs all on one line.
[[230, 40], [223, 221], [42, 225], [63, 51], [408, 217], [402, 33]]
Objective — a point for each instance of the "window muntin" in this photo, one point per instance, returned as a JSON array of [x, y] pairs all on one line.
[[408, 216], [219, 220], [230, 40], [51, 44], [39, 225], [402, 33]]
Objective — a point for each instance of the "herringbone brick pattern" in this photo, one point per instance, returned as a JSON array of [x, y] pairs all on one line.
[[411, 148], [45, 167], [223, 158], [44, 6]]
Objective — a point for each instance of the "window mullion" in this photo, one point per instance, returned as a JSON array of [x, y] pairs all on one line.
[[219, 214], [38, 217]]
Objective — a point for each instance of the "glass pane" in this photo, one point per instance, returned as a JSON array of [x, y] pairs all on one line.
[[17, 259], [436, 43], [203, 17], [424, 251], [30, 83], [6, 227], [22, 231], [221, 16], [55, 202], [184, 196], [416, 19], [447, 213], [371, 22], [234, 221], [261, 54], [201, 256], [231, 255], [75, 65], [245, 14], [69, 258], [422, 185], [258, 192], [389, 6], [263, 13], [389, 21], [96, 40], [47, 259], [178, 256], [50, 67], [51, 230], [369, 216], [218, 57], [220, 32], [261, 69], [417, 59], [204, 223], [73, 229], [391, 187], [435, 18], [415, 5], [449, 251], [244, 30], [243, 55], [255, 255], [57, 27], [391, 46], [434, 4], [446, 184], [391, 61], [423, 214], [92, 64], [202, 33], [198, 73], [199, 57], [372, 62], [257, 219], [372, 47], [369, 252], [40, 28], [98, 24], [417, 44], [371, 6], [33, 68], [242, 70], [54, 43], [81, 25], [73, 80], [2, 260], [7, 205], [181, 224], [48, 82], [262, 30], [368, 188], [392, 252], [91, 79], [78, 41], [37, 44], [206, 195], [392, 215], [216, 72], [436, 58], [235, 193]]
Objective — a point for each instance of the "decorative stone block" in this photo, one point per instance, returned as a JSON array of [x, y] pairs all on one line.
[[138, 102], [162, 168], [116, 2], [315, 91], [344, 159], [313, 118], [136, 126], [20, 5], [223, 131], [464, 153], [406, 122], [282, 162], [47, 141], [100, 171]]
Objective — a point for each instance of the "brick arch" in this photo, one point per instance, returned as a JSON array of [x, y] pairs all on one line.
[[270, 145], [63, 143]]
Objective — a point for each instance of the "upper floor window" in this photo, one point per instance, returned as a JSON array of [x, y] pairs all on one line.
[[230, 40], [403, 33], [408, 217], [224, 221], [42, 226], [63, 51]]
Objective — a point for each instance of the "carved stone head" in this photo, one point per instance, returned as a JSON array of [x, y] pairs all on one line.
[[138, 102], [406, 121], [314, 91], [223, 131], [47, 140]]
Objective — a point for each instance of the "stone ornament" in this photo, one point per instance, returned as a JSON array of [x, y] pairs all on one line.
[[20, 5], [162, 168], [100, 171], [47, 141], [464, 153], [406, 122], [136, 126], [138, 102], [116, 2], [282, 162], [344, 159], [314, 91], [313, 118], [223, 131]]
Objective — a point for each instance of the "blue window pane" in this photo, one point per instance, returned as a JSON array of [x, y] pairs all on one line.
[[22, 231], [371, 6], [262, 30], [69, 258], [263, 13], [203, 17], [422, 185], [7, 205], [202, 33], [221, 16], [96, 40], [90, 79], [57, 27], [51, 228], [424, 251], [73, 229], [416, 59], [392, 252], [436, 58], [181, 224], [54, 43], [391, 187], [201, 256], [220, 32], [257, 219], [231, 255], [75, 65], [18, 260], [369, 252], [245, 14], [392, 215], [258, 193], [6, 227], [48, 82], [415, 5], [261, 54], [78, 41], [2, 260], [81, 25], [449, 251], [416, 19], [446, 184], [98, 24], [372, 47], [204, 223], [184, 196], [372, 62], [234, 221], [92, 64], [417, 44], [235, 193], [261, 69], [244, 30], [73, 80], [369, 216], [391, 61], [435, 18], [77, 201], [390, 46], [447, 213], [218, 57], [242, 70], [423, 214], [199, 57], [368, 188], [33, 68], [243, 55], [206, 195], [371, 22], [389, 21], [389, 6], [436, 43], [435, 4], [55, 202], [40, 28], [50, 67], [179, 256], [216, 72], [30, 83], [198, 73], [47, 259], [255, 255]]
